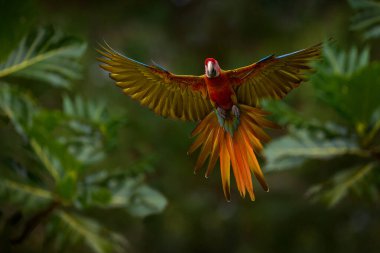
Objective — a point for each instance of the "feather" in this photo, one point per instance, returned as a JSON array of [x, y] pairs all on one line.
[[140, 80], [272, 77], [238, 150]]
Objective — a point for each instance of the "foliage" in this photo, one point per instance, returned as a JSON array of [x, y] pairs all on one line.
[[348, 83], [45, 55], [56, 174], [367, 17]]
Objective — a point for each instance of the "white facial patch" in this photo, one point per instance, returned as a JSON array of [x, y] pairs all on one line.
[[210, 66]]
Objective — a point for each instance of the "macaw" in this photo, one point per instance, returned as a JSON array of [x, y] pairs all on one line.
[[226, 103]]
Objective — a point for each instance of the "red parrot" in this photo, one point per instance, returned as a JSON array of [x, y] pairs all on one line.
[[226, 102]]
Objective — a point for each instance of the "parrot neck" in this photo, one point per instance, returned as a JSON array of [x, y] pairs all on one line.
[[215, 81]]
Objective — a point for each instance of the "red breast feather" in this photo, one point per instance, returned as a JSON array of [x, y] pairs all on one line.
[[220, 91]]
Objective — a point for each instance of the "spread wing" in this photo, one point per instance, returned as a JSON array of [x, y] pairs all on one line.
[[176, 96], [272, 77]]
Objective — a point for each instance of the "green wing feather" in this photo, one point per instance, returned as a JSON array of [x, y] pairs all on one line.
[[176, 96], [272, 77]]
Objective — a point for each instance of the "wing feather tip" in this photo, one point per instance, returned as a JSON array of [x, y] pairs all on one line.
[[112, 61]]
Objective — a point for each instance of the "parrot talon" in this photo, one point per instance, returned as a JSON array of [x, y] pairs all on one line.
[[235, 110], [221, 112]]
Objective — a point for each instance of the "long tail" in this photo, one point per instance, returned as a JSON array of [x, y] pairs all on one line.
[[238, 149]]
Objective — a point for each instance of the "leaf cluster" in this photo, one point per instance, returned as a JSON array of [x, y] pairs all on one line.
[[367, 18], [347, 83], [52, 170]]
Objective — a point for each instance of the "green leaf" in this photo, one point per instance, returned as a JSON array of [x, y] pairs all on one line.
[[97, 237], [346, 82], [92, 127], [284, 115], [37, 126], [99, 196], [52, 129], [51, 164], [373, 32], [139, 199], [367, 18], [67, 186], [18, 107], [295, 148], [26, 194], [146, 201], [335, 189], [373, 130], [93, 111], [342, 63], [45, 55], [51, 153], [362, 99], [30, 190], [83, 141]]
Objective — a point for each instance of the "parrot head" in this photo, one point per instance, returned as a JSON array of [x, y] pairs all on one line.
[[212, 68]]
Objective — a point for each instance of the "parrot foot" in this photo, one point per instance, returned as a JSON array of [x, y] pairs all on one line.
[[230, 121], [221, 112], [235, 111]]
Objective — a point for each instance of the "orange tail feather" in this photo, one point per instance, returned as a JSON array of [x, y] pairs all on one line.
[[238, 150]]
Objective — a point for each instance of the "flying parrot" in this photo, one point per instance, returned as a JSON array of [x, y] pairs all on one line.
[[226, 103]]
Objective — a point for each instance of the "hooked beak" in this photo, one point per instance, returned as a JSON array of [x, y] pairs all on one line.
[[210, 70]]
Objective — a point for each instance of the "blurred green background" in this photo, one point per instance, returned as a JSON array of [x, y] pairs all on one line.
[[86, 169]]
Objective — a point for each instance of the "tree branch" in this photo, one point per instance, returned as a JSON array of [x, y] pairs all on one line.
[[34, 221]]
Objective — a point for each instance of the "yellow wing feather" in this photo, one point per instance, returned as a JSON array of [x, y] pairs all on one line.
[[272, 77], [176, 96]]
